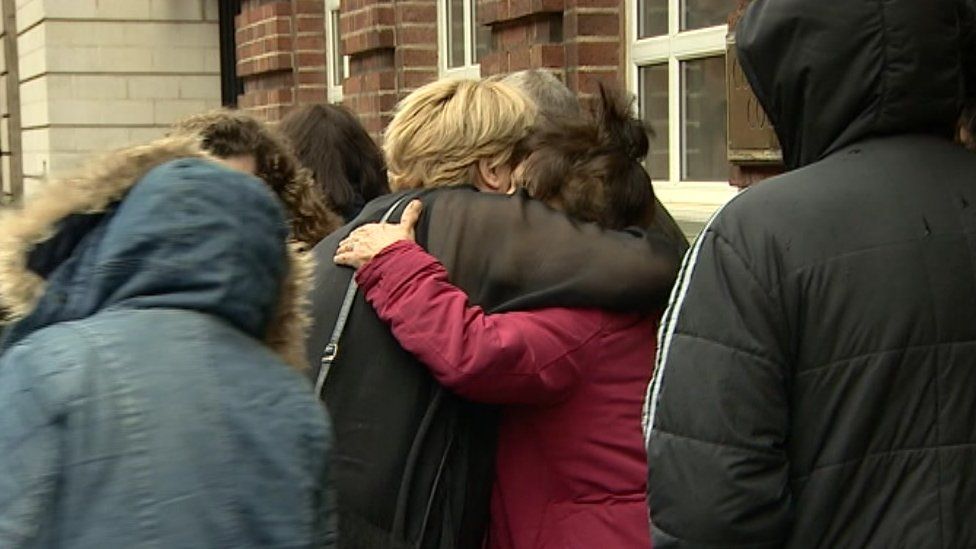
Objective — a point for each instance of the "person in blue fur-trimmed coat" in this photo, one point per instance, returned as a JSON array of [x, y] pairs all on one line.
[[150, 383]]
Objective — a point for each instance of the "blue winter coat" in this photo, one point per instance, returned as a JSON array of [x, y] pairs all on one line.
[[138, 404]]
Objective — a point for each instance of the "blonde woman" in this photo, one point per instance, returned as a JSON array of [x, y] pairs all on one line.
[[455, 132], [414, 464], [570, 463]]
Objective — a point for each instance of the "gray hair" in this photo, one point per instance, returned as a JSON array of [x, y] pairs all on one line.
[[552, 98]]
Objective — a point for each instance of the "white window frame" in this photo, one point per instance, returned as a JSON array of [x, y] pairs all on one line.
[[687, 200], [470, 68], [334, 88]]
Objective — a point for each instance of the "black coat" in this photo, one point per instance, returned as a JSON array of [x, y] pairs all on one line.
[[414, 462], [816, 381]]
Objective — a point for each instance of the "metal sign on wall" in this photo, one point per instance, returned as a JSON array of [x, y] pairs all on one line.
[[752, 140]]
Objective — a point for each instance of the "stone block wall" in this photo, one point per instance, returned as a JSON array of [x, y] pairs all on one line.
[[99, 74]]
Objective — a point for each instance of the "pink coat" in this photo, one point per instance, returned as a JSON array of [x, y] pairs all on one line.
[[571, 465]]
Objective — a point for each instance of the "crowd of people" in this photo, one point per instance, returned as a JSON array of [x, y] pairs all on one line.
[[489, 333]]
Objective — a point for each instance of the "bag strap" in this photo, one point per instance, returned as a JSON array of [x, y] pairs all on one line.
[[331, 350]]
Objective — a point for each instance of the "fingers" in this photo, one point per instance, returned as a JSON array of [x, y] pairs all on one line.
[[411, 215], [363, 231], [347, 244], [348, 259], [361, 234], [362, 244]]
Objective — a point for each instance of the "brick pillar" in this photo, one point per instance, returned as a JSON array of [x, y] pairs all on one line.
[[580, 40], [416, 55], [594, 49], [281, 55], [525, 34], [369, 39], [392, 49], [310, 63]]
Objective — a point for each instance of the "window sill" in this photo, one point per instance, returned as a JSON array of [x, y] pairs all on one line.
[[693, 203], [470, 71]]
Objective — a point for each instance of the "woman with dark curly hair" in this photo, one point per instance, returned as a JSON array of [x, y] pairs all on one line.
[[252, 146], [347, 165]]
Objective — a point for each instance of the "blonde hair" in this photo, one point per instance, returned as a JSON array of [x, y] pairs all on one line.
[[444, 128]]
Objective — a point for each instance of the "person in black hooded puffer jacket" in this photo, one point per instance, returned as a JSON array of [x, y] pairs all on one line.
[[966, 129], [816, 377]]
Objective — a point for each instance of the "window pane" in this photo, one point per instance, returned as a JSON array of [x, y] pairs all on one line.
[[481, 35], [652, 18], [482, 42], [697, 14], [455, 33], [335, 53], [654, 111], [704, 155]]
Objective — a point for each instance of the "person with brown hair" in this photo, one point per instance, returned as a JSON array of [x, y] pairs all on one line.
[[591, 170], [556, 103], [570, 463], [414, 459], [249, 144], [347, 165]]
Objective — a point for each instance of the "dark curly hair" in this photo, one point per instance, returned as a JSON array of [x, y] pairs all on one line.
[[591, 168], [228, 133], [345, 161]]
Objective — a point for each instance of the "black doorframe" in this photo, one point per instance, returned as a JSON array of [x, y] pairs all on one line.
[[230, 85]]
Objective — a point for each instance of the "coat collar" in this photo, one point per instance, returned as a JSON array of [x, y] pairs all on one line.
[[93, 190]]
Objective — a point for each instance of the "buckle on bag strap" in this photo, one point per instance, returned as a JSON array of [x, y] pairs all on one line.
[[331, 351]]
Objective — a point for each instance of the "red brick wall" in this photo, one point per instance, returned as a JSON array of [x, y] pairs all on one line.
[[369, 39], [393, 49], [594, 48], [281, 55], [580, 39], [525, 34]]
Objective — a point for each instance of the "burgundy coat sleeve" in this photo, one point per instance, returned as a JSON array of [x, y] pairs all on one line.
[[510, 358]]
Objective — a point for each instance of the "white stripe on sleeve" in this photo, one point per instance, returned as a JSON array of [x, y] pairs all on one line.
[[668, 323]]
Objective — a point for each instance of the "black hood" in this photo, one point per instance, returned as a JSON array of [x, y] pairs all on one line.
[[833, 72]]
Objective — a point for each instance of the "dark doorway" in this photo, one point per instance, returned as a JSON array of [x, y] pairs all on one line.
[[230, 86]]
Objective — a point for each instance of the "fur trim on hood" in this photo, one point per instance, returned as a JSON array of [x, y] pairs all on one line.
[[93, 189]]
